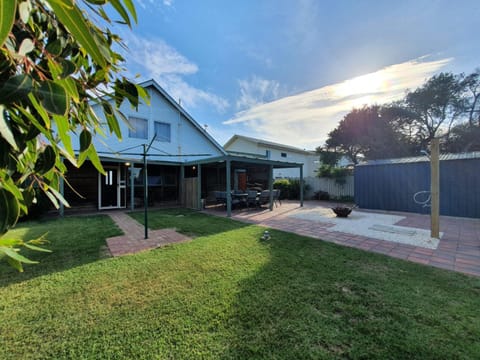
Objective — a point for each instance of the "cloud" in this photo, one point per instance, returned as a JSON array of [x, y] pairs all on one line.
[[143, 3], [166, 65], [305, 119], [255, 91]]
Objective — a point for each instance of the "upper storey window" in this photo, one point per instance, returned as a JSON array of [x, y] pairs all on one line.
[[138, 128], [162, 132]]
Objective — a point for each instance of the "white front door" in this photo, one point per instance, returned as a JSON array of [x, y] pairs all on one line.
[[111, 188]]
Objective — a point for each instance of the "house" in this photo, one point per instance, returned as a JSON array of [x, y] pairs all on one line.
[[179, 139], [244, 145], [164, 158]]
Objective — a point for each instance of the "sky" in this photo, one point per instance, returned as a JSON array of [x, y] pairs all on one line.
[[288, 71]]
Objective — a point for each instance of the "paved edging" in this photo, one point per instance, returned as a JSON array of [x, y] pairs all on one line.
[[133, 241]]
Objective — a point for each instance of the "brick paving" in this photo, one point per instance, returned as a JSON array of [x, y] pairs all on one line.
[[134, 241], [458, 250]]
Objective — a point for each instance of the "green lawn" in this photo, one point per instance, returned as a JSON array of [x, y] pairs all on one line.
[[227, 294]]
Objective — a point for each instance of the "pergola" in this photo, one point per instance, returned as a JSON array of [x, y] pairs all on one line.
[[233, 161]]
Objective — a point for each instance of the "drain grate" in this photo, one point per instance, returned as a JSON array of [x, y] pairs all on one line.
[[392, 230]]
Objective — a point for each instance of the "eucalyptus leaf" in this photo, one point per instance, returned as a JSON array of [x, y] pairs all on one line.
[[7, 17], [71, 16], [15, 264], [54, 97], [15, 88], [46, 160], [9, 210], [24, 9], [12, 253], [93, 156], [85, 140], [25, 47], [36, 248], [63, 128], [5, 129], [54, 47]]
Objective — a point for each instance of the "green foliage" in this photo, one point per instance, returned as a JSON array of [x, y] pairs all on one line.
[[333, 172], [436, 106], [329, 157], [290, 188], [229, 295], [56, 62], [446, 106], [10, 247]]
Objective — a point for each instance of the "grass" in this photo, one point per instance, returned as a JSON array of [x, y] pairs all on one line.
[[227, 294]]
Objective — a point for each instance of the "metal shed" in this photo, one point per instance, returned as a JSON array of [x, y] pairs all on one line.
[[395, 184]]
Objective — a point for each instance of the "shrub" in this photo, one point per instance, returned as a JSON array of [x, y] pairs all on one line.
[[332, 172], [321, 195], [290, 188]]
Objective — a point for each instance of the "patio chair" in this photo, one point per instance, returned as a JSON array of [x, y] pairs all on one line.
[[221, 197], [276, 197], [252, 198], [264, 197]]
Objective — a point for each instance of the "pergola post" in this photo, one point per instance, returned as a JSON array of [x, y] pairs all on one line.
[[199, 187], [228, 189], [270, 186], [301, 186], [181, 188], [145, 190], [132, 187]]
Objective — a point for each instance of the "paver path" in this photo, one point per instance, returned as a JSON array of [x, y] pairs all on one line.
[[134, 241], [458, 249]]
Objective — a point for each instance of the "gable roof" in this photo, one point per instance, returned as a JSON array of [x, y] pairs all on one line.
[[153, 84], [267, 143]]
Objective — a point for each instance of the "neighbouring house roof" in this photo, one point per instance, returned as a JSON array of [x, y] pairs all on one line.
[[153, 84], [276, 164], [267, 143], [423, 158]]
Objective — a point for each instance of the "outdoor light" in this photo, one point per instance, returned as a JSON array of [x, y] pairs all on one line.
[[193, 167], [127, 164]]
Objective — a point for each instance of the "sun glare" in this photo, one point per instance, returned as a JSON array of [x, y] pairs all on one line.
[[365, 84]]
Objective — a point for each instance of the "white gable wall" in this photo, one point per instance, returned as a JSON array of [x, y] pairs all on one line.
[[309, 160], [185, 138]]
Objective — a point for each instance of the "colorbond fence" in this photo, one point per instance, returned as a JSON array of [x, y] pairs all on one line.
[[403, 185]]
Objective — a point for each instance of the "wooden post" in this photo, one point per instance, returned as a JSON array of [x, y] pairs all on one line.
[[301, 186], [435, 188]]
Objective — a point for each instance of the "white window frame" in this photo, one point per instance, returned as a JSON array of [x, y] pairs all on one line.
[[158, 138], [133, 122]]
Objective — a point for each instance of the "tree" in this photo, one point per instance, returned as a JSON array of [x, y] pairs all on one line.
[[328, 156], [56, 61], [435, 107], [367, 131], [463, 138], [471, 85]]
